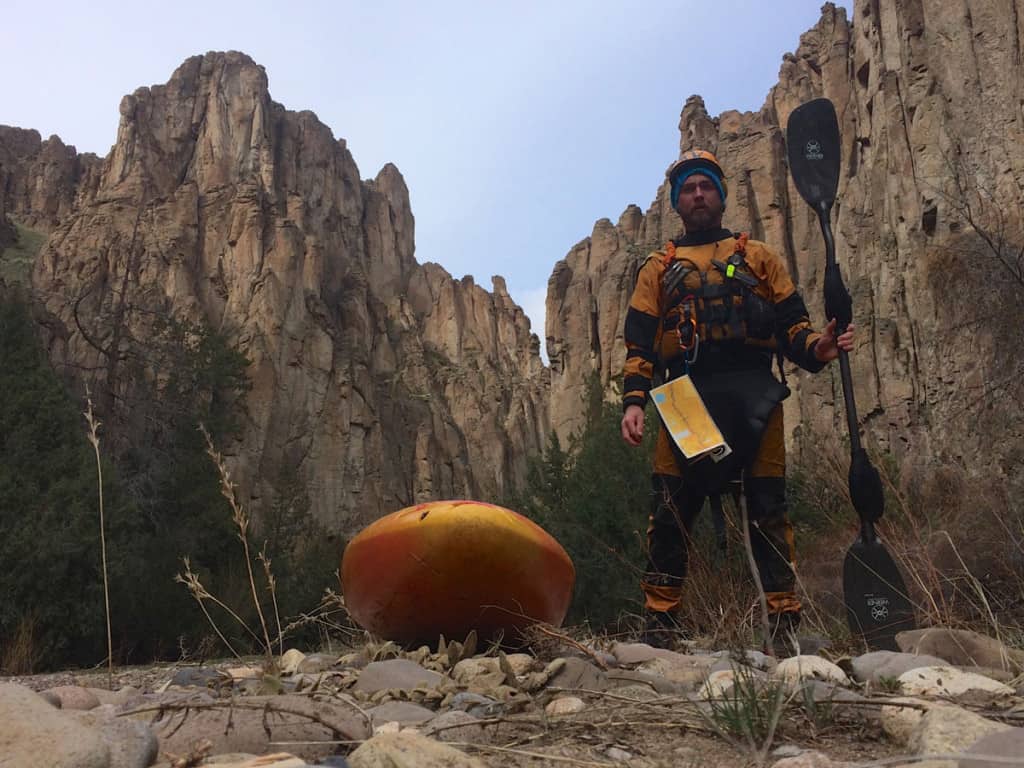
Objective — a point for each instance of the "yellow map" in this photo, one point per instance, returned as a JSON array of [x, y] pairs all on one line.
[[687, 419]]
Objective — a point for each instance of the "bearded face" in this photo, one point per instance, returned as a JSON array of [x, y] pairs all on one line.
[[700, 204]]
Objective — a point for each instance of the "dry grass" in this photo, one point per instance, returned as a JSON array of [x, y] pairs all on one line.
[[958, 539], [333, 622], [331, 617], [94, 440], [19, 656], [203, 596]]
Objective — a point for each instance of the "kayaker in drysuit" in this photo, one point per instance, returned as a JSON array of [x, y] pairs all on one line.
[[719, 307]]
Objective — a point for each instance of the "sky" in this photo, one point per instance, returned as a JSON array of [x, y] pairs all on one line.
[[516, 125]]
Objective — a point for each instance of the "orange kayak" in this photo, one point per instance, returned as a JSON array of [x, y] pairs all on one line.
[[448, 567]]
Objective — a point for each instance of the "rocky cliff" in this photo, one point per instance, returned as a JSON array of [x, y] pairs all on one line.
[[930, 98], [383, 381], [379, 380], [39, 180]]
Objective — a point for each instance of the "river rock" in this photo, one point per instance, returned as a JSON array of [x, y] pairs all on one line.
[[961, 647], [74, 697], [689, 671], [401, 712], [396, 673], [949, 682], [455, 725], [565, 705], [944, 730], [409, 750], [803, 667], [579, 674], [290, 659], [877, 665]]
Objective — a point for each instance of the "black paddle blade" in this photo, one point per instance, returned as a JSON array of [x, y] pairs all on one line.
[[877, 605], [812, 141]]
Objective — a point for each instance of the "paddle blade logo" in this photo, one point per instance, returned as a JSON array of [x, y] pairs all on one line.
[[879, 608], [812, 150]]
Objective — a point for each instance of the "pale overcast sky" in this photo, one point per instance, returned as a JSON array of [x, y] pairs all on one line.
[[515, 124]]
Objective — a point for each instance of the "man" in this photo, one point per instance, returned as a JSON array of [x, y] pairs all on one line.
[[717, 307]]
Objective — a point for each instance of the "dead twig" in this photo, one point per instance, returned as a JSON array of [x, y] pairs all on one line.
[[561, 636], [309, 709]]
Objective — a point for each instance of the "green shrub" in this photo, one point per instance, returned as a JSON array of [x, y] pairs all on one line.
[[593, 498]]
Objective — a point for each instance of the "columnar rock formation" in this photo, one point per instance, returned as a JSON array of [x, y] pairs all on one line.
[[39, 179], [930, 97], [380, 381]]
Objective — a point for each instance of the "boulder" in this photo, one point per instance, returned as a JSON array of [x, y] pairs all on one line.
[[34, 733]]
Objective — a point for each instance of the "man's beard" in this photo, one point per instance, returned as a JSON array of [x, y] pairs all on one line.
[[701, 219]]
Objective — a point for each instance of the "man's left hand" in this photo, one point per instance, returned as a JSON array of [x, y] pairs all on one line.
[[828, 345]]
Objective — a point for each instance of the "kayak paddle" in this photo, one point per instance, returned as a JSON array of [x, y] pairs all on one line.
[[877, 605]]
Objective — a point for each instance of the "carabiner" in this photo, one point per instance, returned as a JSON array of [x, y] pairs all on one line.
[[686, 328]]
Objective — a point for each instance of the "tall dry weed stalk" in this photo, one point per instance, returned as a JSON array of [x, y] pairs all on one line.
[[94, 438], [194, 585]]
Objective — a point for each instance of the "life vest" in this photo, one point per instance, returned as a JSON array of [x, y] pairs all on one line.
[[717, 305]]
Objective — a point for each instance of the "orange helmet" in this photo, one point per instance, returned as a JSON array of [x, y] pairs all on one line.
[[696, 161]]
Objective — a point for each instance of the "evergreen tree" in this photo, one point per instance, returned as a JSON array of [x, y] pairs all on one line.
[[594, 500], [49, 521]]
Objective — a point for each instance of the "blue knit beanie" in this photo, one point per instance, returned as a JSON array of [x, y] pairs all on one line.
[[703, 170]]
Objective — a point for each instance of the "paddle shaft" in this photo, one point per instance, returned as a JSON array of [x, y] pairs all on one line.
[[841, 325], [823, 209]]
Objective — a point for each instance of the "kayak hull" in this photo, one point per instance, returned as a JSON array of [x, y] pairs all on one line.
[[449, 567]]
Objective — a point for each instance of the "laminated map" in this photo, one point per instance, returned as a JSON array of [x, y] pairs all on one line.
[[687, 420]]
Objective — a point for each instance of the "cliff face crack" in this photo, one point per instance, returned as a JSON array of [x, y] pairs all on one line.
[[756, 226], [905, 123], [877, 380], [1015, 39]]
